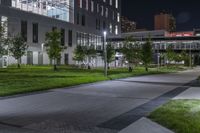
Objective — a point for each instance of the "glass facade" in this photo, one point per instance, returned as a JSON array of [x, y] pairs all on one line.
[[86, 39], [59, 9]]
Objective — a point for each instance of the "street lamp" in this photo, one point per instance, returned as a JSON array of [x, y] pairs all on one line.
[[190, 56], [42, 53], [158, 57], [105, 54]]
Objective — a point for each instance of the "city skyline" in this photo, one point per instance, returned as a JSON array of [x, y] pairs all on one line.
[[186, 13]]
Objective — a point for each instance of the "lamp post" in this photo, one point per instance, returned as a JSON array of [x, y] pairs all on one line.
[[158, 57], [190, 56], [42, 54], [105, 54]]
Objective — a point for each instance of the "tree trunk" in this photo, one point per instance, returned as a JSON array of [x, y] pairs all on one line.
[[18, 64], [89, 67], [146, 68], [108, 66], [55, 65], [130, 69]]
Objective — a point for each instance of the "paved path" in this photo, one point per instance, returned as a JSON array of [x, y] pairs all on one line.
[[191, 93], [144, 125], [87, 108]]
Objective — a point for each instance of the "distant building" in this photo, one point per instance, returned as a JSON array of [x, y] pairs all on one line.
[[164, 21], [146, 34], [127, 25]]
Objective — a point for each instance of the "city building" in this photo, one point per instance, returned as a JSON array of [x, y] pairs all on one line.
[[81, 22], [127, 25], [146, 34], [164, 21]]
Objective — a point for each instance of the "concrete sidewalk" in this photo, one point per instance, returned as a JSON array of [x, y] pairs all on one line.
[[82, 109], [144, 125]]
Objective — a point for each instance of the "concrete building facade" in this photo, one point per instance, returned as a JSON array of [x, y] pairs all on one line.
[[81, 22]]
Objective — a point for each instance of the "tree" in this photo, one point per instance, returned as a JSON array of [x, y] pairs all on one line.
[[186, 58], [3, 41], [146, 54], [131, 52], [90, 52], [170, 54], [178, 57], [79, 54], [53, 46], [17, 47], [110, 54]]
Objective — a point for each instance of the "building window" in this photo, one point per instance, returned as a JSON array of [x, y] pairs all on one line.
[[106, 12], [24, 30], [62, 39], [80, 3], [102, 11], [92, 6], [87, 4], [59, 9], [97, 8], [116, 3], [118, 17], [113, 15], [78, 21], [104, 25], [116, 30], [35, 32], [85, 39], [54, 28], [83, 20], [70, 38], [98, 24], [111, 1], [111, 28]]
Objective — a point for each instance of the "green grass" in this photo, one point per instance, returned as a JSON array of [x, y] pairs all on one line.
[[38, 78], [181, 116]]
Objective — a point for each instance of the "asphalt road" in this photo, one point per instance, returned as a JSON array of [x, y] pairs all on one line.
[[81, 109]]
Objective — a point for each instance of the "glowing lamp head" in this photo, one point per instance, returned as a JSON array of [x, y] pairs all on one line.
[[105, 33]]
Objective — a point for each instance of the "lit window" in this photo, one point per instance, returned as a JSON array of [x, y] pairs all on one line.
[[118, 17], [110, 27], [97, 8], [87, 4], [116, 3], [116, 29], [92, 6], [80, 3], [106, 12], [111, 2], [113, 15], [102, 11]]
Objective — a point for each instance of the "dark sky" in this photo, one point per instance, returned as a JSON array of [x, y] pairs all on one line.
[[186, 12]]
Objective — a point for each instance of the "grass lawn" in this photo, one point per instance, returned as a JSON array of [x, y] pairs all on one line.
[[37, 78], [181, 116]]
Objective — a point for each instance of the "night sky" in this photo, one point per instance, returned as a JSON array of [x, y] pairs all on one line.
[[186, 12]]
